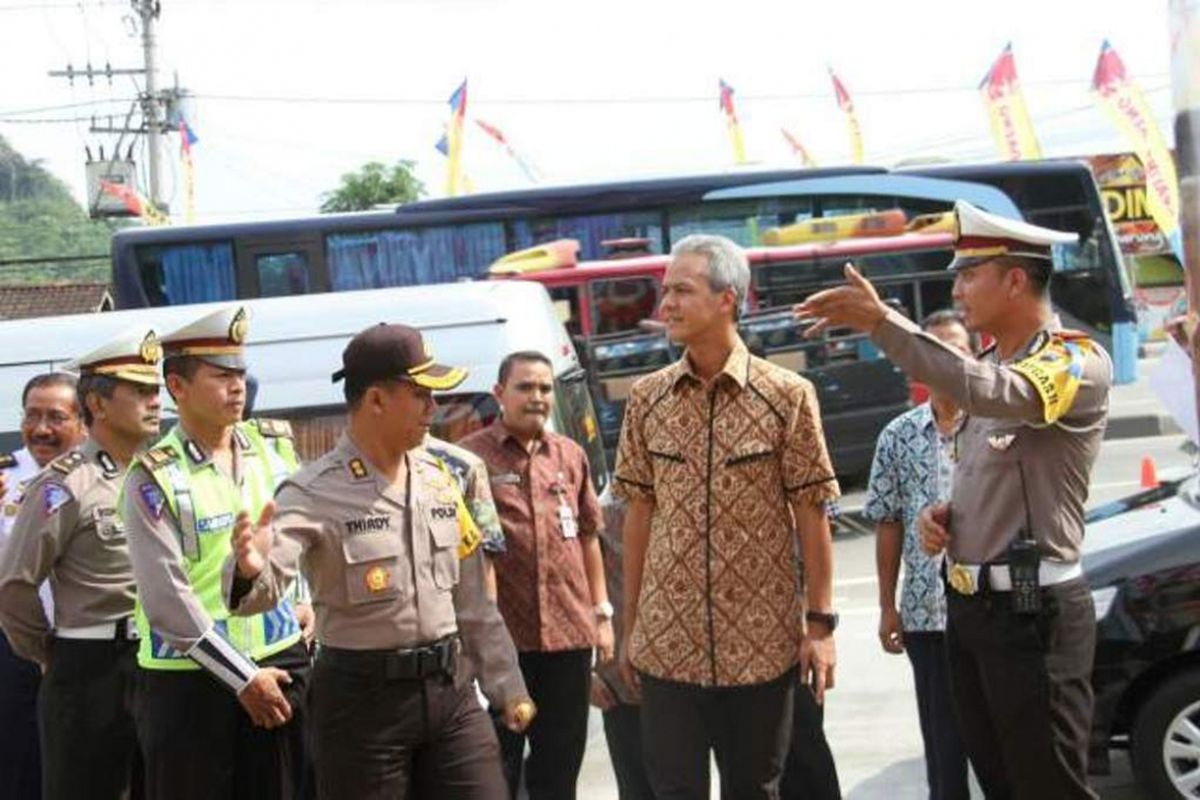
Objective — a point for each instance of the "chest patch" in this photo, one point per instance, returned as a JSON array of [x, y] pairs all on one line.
[[1001, 441], [216, 523], [368, 524], [444, 512]]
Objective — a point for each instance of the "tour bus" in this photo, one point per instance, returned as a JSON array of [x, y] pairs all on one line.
[[457, 238], [295, 344]]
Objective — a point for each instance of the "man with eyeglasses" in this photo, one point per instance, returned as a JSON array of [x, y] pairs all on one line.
[[51, 426]]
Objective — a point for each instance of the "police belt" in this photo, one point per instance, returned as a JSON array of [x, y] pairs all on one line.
[[431, 660], [120, 630], [965, 578]]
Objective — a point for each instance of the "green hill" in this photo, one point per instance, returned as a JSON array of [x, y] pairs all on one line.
[[40, 219]]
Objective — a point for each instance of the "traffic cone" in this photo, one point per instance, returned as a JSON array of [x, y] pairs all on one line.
[[1149, 473]]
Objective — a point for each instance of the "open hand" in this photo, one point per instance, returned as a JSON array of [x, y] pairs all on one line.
[[252, 541], [855, 305]]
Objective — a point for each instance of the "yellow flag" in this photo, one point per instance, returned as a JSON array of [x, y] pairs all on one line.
[[1125, 105], [1012, 127]]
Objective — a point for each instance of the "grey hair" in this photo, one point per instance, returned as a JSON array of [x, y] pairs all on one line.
[[728, 267]]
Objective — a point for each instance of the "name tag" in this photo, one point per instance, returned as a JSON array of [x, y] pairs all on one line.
[[507, 479], [566, 521]]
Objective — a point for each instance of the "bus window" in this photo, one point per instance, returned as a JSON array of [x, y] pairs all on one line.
[[566, 302], [784, 284], [740, 220], [281, 274], [187, 273], [589, 231], [619, 304], [382, 258]]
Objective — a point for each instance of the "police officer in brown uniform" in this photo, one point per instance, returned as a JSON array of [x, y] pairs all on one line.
[[68, 531], [381, 531], [1021, 626]]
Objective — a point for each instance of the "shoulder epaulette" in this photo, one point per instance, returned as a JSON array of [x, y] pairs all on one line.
[[65, 464], [274, 428], [158, 458], [7, 461]]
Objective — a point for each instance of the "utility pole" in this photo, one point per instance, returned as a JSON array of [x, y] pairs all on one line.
[[149, 11], [155, 103]]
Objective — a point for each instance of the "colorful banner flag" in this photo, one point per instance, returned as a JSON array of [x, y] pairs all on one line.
[[1008, 116], [732, 124], [498, 136], [1125, 105], [454, 140], [137, 205], [853, 129], [798, 149], [187, 138]]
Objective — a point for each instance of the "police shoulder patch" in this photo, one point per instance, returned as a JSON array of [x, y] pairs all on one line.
[[54, 496], [158, 458], [274, 428], [152, 498], [66, 464]]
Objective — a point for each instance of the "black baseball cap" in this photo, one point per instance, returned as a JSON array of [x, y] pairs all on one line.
[[389, 352]]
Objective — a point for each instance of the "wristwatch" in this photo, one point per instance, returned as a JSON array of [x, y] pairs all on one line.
[[604, 610], [827, 618]]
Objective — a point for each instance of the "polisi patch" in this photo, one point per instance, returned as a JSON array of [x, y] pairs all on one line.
[[152, 498], [210, 524], [444, 512], [54, 497], [368, 524]]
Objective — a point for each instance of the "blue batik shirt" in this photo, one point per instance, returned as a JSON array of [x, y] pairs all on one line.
[[913, 468]]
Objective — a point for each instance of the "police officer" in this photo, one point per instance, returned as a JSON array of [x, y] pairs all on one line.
[[1021, 626], [238, 735], [68, 531], [396, 569]]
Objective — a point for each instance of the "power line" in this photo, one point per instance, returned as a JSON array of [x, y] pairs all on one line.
[[66, 106], [627, 100]]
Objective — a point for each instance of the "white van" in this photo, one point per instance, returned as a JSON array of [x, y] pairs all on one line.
[[295, 345]]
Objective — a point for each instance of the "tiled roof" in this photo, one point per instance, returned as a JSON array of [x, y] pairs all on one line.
[[26, 301]]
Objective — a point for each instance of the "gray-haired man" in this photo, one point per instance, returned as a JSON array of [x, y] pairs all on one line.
[[719, 453]]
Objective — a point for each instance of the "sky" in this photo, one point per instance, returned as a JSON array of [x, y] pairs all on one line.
[[288, 95]]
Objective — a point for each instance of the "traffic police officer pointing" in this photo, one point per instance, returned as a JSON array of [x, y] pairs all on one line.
[[394, 560], [238, 735], [1021, 626], [68, 530]]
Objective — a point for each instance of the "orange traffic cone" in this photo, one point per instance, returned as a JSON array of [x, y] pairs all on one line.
[[1149, 473]]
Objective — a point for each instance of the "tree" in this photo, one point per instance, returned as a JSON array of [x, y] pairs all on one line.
[[374, 185]]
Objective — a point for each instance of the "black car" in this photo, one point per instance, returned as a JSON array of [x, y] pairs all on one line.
[[1142, 559]]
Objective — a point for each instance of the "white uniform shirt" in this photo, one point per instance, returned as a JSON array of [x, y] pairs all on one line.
[[16, 478]]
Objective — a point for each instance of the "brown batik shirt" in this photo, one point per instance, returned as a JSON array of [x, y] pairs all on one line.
[[719, 603], [541, 582]]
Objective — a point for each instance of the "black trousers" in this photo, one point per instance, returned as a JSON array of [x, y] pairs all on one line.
[[623, 733], [1022, 690], [559, 683], [198, 743], [945, 759], [747, 728], [89, 744], [379, 738], [810, 772], [20, 762]]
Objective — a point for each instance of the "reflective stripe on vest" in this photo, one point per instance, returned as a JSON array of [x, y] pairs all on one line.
[[205, 503]]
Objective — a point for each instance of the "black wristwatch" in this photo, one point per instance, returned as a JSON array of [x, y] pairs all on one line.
[[828, 619]]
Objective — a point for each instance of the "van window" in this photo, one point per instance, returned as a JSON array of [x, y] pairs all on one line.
[[575, 417]]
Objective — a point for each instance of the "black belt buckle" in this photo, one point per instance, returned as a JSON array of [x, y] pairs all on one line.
[[1024, 561]]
